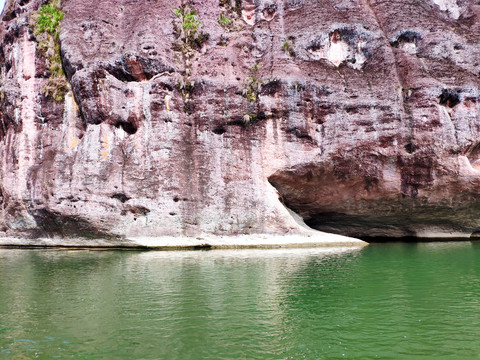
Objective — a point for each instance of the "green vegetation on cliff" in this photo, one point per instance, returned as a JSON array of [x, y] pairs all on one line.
[[190, 38], [46, 26], [189, 31]]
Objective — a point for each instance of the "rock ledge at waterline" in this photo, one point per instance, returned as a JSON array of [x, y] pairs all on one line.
[[211, 242], [359, 117]]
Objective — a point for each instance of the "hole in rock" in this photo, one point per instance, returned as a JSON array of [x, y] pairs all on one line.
[[121, 74], [269, 12], [9, 14], [449, 98], [408, 36], [136, 68], [314, 46], [219, 131], [345, 34], [128, 127], [410, 148], [299, 133], [271, 88], [120, 197], [139, 210]]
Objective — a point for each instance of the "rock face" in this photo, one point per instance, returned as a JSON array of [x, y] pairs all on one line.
[[361, 116]]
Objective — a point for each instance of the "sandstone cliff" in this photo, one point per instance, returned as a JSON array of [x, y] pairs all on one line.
[[361, 116]]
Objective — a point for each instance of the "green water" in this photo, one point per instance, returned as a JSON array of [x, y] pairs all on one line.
[[399, 301]]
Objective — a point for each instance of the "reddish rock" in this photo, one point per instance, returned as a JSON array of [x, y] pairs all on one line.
[[360, 116]]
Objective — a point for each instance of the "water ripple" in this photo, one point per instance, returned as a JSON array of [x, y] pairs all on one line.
[[400, 301]]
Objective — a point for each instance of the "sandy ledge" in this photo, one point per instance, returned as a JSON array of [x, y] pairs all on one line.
[[262, 241]]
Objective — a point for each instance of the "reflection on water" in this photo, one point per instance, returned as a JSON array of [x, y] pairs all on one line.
[[387, 301]]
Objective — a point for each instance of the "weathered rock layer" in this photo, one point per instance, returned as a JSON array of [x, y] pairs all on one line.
[[361, 116]]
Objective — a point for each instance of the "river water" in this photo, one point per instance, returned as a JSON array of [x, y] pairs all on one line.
[[391, 301]]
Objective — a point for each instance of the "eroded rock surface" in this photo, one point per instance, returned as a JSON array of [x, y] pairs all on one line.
[[360, 116]]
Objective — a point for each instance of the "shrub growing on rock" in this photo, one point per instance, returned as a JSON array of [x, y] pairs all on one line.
[[189, 30], [46, 27]]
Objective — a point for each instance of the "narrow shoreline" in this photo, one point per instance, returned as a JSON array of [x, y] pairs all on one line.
[[253, 241]]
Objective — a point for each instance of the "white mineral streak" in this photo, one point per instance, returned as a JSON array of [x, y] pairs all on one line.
[[248, 13], [281, 20], [119, 133], [139, 104], [142, 99], [446, 119], [409, 47], [217, 180], [337, 52], [392, 177], [273, 148], [360, 56], [450, 6], [106, 142], [69, 124], [26, 145], [90, 147], [168, 98]]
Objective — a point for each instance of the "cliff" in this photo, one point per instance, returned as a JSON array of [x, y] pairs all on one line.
[[168, 118]]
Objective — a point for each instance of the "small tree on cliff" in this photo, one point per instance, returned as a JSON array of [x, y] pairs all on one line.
[[189, 31]]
